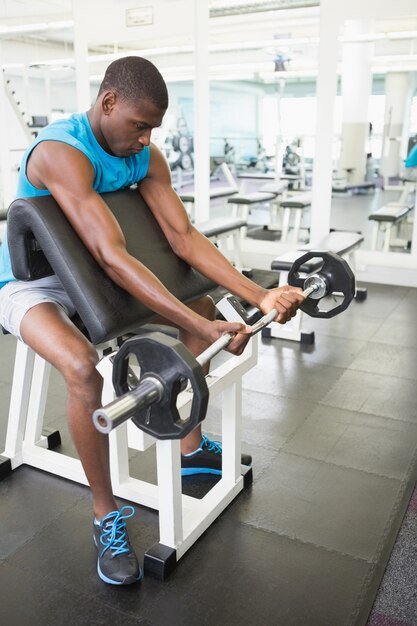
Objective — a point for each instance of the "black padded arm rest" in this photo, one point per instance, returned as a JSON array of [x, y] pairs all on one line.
[[3, 214], [106, 310]]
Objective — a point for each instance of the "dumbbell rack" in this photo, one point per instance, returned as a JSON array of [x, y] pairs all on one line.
[[182, 519]]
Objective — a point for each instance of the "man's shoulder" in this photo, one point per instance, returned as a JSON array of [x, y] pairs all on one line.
[[70, 131], [72, 125]]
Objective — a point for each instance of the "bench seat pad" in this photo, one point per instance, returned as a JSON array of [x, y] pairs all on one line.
[[300, 201], [219, 226], [276, 187], [284, 262], [257, 175], [216, 192], [390, 213], [251, 198], [338, 241], [343, 186], [42, 242]]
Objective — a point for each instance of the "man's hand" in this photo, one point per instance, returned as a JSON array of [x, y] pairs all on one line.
[[214, 330], [286, 300]]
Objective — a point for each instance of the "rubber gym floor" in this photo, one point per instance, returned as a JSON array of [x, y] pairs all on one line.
[[332, 429]]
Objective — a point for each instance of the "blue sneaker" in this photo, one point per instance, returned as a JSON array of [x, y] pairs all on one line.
[[207, 459], [117, 563]]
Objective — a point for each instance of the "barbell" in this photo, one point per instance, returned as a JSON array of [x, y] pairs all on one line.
[[167, 367]]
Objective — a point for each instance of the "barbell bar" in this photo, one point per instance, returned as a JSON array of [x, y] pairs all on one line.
[[223, 341], [151, 388], [167, 366]]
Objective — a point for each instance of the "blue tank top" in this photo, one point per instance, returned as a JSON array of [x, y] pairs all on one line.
[[111, 173], [411, 160]]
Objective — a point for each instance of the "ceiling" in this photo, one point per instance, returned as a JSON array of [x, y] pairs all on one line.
[[249, 39]]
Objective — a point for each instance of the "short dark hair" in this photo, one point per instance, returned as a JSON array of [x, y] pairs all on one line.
[[136, 78]]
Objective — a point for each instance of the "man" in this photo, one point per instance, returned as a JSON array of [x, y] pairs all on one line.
[[411, 160], [106, 149]]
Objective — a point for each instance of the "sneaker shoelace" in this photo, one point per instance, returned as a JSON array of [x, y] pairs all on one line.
[[211, 446], [114, 531]]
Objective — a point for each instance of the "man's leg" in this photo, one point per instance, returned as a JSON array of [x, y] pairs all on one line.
[[199, 454], [204, 307], [47, 329]]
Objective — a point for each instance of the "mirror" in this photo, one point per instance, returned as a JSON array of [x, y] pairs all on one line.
[[375, 122]]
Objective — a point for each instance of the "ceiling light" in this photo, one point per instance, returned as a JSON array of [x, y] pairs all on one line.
[[32, 28], [403, 34]]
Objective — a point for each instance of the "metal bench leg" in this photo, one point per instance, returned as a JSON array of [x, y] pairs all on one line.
[[241, 211], [285, 224], [276, 216], [170, 498], [387, 237], [189, 207], [297, 224], [232, 432], [19, 403], [37, 402], [375, 232], [237, 255]]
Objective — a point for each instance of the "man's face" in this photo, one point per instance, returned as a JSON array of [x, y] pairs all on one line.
[[127, 126]]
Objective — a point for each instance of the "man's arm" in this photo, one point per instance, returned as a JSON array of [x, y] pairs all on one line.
[[68, 174], [199, 252]]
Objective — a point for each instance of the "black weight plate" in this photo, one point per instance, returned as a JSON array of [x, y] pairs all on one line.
[[337, 274], [167, 359]]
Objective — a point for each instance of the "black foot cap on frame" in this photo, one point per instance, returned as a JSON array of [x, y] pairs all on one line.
[[159, 561], [5, 467]]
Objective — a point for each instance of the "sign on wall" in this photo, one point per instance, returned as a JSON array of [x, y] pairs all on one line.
[[150, 22]]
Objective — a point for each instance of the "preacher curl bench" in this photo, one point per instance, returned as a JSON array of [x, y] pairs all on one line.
[[42, 242]]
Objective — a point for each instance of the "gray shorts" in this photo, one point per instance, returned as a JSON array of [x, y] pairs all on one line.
[[17, 297]]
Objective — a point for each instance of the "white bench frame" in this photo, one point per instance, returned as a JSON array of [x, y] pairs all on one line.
[[288, 212], [182, 519], [228, 241], [228, 191], [388, 228], [229, 245]]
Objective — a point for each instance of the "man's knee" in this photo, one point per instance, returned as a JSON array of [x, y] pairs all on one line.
[[204, 306], [80, 367]]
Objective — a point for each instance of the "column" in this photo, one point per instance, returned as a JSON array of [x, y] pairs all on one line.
[[201, 112], [326, 93], [356, 89], [48, 99], [398, 95], [7, 190], [81, 56]]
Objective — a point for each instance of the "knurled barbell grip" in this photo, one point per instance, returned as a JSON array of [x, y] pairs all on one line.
[[148, 391]]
